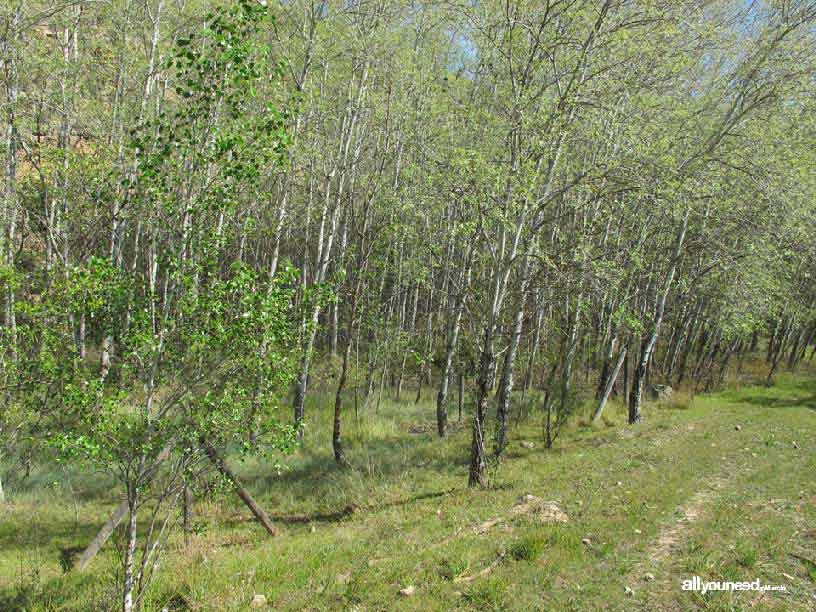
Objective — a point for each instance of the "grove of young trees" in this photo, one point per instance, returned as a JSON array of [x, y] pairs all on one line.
[[500, 203]]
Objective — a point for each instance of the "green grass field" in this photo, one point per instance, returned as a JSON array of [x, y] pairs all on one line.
[[721, 486]]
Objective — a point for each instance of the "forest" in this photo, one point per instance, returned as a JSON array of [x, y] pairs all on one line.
[[306, 289]]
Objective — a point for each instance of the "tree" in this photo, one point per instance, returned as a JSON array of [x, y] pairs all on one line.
[[204, 340]]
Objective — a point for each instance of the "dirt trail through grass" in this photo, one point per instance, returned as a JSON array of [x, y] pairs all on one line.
[[672, 534], [655, 570], [738, 522]]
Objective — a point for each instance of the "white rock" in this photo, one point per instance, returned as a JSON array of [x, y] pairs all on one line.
[[258, 601], [408, 591]]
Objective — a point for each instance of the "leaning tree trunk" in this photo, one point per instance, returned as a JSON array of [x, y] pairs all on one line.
[[610, 382], [609, 353], [477, 475], [450, 349], [506, 384], [337, 442], [779, 350], [245, 496], [636, 397], [796, 359]]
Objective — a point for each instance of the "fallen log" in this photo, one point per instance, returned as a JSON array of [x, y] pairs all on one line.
[[212, 454], [113, 522], [250, 502]]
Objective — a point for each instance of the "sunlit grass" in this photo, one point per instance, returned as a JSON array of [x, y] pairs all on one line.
[[401, 516]]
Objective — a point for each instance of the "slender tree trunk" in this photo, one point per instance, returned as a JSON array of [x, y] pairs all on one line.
[[626, 379], [8, 234], [450, 348], [528, 374], [405, 353], [325, 241], [461, 393], [779, 350], [337, 443], [506, 384], [635, 400], [610, 382], [572, 351], [477, 475], [548, 402], [796, 359], [245, 495], [478, 459], [303, 373], [130, 551], [696, 329]]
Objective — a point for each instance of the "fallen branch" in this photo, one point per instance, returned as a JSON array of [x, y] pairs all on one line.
[[484, 572], [250, 502], [113, 522], [110, 526], [810, 562]]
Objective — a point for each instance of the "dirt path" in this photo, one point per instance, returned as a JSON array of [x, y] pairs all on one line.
[[674, 534], [651, 579]]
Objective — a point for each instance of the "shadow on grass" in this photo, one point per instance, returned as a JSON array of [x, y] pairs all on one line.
[[58, 592], [353, 509], [314, 473], [770, 402], [785, 394], [57, 535]]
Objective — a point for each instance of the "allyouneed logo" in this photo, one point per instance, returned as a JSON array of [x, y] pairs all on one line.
[[697, 584]]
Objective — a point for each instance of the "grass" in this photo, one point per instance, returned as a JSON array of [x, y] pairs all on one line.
[[529, 547], [402, 516]]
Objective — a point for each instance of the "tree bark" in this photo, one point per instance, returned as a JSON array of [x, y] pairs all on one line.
[[130, 552], [461, 394], [610, 382], [506, 384], [337, 443], [245, 496], [636, 398], [450, 348]]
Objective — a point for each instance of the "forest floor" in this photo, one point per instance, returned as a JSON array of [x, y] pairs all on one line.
[[722, 486]]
